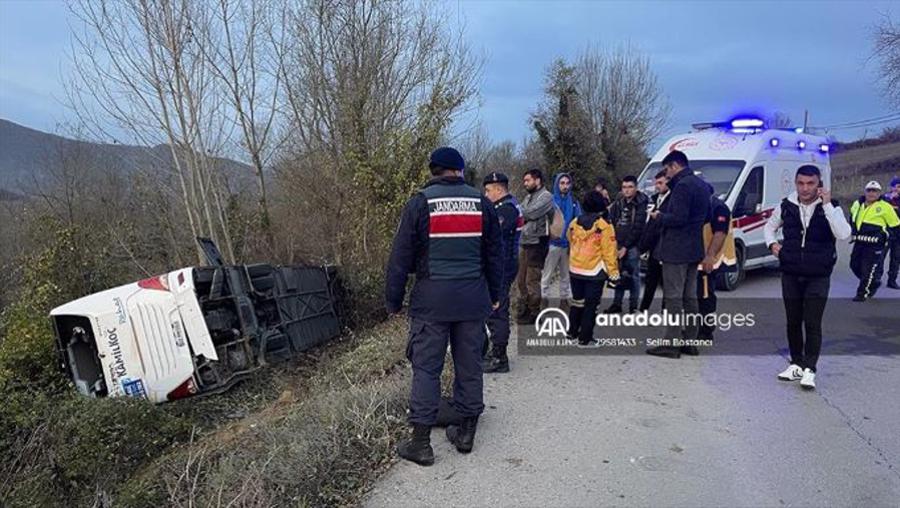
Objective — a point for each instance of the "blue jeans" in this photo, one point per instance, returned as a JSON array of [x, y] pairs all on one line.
[[630, 262]]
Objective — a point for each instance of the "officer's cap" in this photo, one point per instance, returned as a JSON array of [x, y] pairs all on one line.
[[873, 185], [495, 177]]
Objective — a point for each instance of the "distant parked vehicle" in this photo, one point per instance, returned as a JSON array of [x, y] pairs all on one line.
[[194, 330]]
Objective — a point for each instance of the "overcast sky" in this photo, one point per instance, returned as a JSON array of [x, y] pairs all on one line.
[[714, 59]]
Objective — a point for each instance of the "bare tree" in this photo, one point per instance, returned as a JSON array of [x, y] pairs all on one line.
[[887, 53], [243, 46], [780, 120], [624, 100], [370, 87], [139, 69]]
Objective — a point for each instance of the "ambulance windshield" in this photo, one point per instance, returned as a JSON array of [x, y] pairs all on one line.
[[721, 174]]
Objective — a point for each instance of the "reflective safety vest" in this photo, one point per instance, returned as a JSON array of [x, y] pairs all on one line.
[[727, 256], [871, 222], [593, 250]]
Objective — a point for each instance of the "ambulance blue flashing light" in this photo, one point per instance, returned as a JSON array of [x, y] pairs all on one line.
[[774, 142], [747, 123], [801, 144], [824, 148]]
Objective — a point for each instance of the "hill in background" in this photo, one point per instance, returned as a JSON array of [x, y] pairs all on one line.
[[27, 153]]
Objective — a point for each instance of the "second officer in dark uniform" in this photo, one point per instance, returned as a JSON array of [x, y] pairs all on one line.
[[496, 188], [449, 237]]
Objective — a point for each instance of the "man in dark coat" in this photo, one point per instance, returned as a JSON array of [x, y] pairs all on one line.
[[681, 248]]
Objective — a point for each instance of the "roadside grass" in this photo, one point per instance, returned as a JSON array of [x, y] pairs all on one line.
[[320, 442], [312, 432]]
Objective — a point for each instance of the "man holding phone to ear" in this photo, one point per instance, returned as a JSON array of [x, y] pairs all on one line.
[[812, 223]]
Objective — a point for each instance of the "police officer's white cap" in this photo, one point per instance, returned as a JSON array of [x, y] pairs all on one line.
[[873, 185]]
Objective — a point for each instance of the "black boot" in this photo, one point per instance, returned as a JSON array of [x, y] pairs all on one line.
[[447, 414], [418, 448], [497, 362], [665, 352], [575, 313], [613, 309], [689, 350], [463, 435]]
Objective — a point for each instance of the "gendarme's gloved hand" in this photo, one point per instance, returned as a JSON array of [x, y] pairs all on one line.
[[612, 283]]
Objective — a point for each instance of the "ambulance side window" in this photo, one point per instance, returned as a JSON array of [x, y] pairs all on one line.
[[751, 195]]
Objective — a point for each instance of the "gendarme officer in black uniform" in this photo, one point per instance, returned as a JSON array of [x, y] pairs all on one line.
[[496, 188], [449, 237]]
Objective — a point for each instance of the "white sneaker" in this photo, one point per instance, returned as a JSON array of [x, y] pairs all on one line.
[[809, 379], [792, 373]]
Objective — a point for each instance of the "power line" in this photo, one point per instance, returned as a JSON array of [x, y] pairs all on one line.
[[861, 123]]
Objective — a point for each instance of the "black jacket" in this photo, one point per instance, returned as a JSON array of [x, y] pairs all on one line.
[[629, 219], [681, 240], [650, 235], [442, 299]]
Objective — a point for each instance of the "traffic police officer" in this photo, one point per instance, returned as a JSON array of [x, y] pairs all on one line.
[[496, 188], [449, 237], [874, 224]]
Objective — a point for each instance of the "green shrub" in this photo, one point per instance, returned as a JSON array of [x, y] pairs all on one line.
[[82, 448], [69, 266]]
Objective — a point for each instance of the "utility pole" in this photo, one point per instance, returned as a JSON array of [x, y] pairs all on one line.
[[805, 119]]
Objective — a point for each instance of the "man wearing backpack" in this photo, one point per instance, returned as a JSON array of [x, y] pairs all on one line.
[[537, 210], [557, 263]]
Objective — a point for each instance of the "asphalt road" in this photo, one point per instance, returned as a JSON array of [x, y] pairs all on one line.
[[713, 430]]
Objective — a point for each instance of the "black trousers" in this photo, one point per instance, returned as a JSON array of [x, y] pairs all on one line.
[[804, 304], [894, 257], [586, 295], [651, 281], [426, 350], [867, 264], [706, 301], [498, 321]]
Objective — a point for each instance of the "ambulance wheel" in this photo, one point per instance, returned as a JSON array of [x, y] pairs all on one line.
[[729, 281]]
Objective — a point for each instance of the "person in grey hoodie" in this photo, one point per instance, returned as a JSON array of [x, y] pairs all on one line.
[[537, 210]]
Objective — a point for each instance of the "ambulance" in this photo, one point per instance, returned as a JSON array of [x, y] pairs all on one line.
[[195, 330], [751, 168]]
